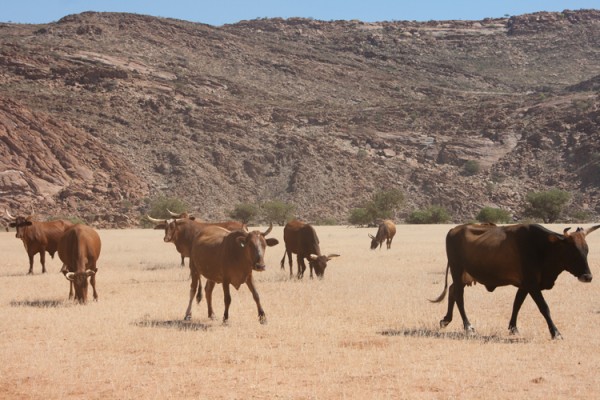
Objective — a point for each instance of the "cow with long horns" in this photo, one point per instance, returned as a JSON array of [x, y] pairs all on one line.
[[182, 229], [38, 237], [529, 257], [227, 257], [79, 249]]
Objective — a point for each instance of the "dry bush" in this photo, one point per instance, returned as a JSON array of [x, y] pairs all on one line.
[[365, 331]]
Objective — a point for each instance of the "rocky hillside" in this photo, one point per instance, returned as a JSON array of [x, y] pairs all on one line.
[[101, 111]]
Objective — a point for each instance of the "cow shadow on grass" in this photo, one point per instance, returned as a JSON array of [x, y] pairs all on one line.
[[437, 334], [41, 303], [180, 325]]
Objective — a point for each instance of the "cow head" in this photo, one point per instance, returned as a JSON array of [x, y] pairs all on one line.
[[319, 263], [254, 245], [80, 282], [20, 223], [374, 242], [574, 251], [169, 225]]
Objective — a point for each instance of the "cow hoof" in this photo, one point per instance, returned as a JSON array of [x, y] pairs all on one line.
[[469, 330], [557, 336], [187, 318], [262, 319], [513, 330], [444, 323]]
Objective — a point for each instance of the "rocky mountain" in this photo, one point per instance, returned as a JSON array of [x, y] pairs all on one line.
[[100, 112]]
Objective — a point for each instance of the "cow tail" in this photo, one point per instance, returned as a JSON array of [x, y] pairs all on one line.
[[441, 296]]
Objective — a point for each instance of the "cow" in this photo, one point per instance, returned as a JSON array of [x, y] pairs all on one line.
[[79, 249], [300, 238], [527, 256], [182, 228], [227, 257], [385, 232], [38, 237]]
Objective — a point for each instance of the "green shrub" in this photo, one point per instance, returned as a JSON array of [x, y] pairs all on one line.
[[471, 168], [547, 205], [359, 217], [278, 211], [493, 215], [158, 206], [244, 212], [430, 215]]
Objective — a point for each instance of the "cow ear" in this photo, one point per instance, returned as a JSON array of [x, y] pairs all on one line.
[[272, 242], [192, 218], [241, 241], [12, 224]]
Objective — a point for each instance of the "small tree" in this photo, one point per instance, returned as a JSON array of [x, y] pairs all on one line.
[[157, 207], [493, 215], [360, 216], [244, 212], [278, 211], [547, 205], [471, 168], [383, 204], [430, 215]]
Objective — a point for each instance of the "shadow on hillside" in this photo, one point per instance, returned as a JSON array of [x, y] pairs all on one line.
[[172, 324], [437, 334], [41, 303]]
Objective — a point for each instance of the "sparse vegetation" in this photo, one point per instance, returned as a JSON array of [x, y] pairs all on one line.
[[493, 215], [471, 168], [431, 215], [244, 212], [278, 211], [547, 205]]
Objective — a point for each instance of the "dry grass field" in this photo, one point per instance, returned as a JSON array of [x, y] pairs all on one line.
[[366, 331]]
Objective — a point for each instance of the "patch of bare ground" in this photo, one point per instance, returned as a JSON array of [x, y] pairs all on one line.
[[366, 330]]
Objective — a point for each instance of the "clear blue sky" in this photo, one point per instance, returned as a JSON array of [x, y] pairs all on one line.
[[219, 12]]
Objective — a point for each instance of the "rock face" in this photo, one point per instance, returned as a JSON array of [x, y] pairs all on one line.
[[101, 111]]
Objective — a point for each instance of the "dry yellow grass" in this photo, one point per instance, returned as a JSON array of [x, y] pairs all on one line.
[[366, 331]]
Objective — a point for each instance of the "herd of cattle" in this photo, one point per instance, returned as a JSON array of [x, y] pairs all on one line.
[[527, 256]]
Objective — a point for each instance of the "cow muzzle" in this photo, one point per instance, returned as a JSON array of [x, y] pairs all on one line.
[[259, 267], [585, 278]]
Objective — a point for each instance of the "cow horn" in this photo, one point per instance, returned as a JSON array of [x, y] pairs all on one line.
[[8, 214], [268, 230], [89, 272], [590, 230], [371, 236], [70, 276], [566, 231], [332, 255], [156, 221], [174, 214]]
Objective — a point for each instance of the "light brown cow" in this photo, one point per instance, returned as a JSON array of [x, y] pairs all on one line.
[[38, 237], [182, 229], [300, 238], [385, 232], [227, 257], [79, 249]]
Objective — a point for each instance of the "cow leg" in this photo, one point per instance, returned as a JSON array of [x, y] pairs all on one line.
[[519, 299], [536, 294], [459, 292], [448, 317], [30, 264], [43, 260], [262, 318], [227, 298], [210, 285], [193, 288], [70, 290], [289, 254], [301, 266], [182, 261], [93, 283]]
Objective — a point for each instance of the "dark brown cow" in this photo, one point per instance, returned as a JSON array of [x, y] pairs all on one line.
[[79, 249], [182, 231], [529, 257], [300, 238], [227, 257], [38, 237], [386, 232]]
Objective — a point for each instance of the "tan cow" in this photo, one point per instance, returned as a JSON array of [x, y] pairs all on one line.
[[385, 232], [79, 249], [38, 237], [227, 257]]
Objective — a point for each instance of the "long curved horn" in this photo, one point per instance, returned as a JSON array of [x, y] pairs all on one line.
[[371, 236], [268, 230], [70, 275], [156, 221], [89, 272], [174, 214], [590, 230], [8, 214]]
